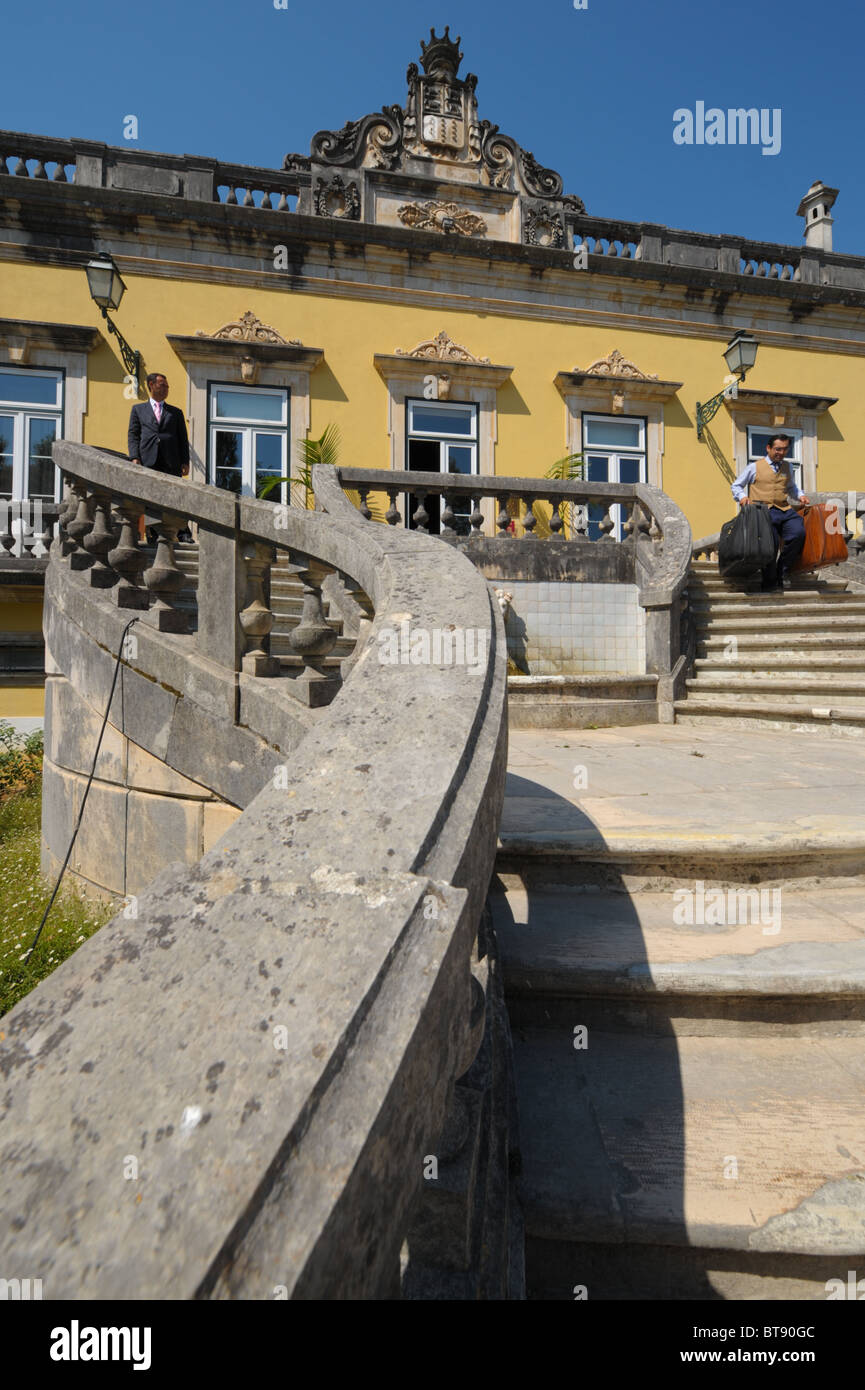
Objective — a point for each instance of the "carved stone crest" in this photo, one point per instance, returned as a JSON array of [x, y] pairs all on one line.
[[436, 216], [249, 329], [442, 348], [614, 364], [544, 228], [335, 198]]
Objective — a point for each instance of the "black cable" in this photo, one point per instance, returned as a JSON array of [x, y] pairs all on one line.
[[86, 790]]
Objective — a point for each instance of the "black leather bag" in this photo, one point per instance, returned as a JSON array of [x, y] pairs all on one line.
[[747, 543]]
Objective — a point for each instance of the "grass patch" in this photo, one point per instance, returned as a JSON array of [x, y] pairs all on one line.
[[24, 893]]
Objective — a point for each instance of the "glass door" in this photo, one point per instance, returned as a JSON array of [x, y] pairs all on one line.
[[442, 438], [249, 439], [614, 450]]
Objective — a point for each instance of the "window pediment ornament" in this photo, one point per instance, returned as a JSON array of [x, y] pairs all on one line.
[[442, 348], [439, 216], [616, 365], [249, 329]]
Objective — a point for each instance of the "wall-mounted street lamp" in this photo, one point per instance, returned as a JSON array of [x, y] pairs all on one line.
[[740, 354], [106, 290]]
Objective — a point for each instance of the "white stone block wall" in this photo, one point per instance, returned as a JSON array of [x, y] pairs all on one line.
[[565, 628]]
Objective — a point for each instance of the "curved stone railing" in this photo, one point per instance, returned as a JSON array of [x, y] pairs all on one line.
[[229, 1091], [654, 552]]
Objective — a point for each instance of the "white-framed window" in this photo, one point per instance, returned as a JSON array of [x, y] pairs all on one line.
[[758, 443], [31, 419], [614, 451], [442, 437], [249, 434]]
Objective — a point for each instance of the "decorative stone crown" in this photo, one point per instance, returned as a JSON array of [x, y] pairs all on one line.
[[441, 57]]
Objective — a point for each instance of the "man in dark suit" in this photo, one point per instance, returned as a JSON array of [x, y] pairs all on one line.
[[157, 434]]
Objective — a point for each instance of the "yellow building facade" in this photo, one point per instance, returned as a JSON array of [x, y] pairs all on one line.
[[421, 282]]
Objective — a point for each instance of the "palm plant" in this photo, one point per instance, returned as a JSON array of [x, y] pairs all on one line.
[[309, 452], [568, 469]]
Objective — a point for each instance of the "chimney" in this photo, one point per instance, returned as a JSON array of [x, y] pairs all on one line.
[[814, 207]]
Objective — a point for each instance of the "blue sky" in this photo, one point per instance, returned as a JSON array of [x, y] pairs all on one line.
[[591, 92]]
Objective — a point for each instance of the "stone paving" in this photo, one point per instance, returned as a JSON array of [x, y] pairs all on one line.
[[738, 788]]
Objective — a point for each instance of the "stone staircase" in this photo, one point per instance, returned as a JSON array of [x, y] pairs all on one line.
[[793, 660], [691, 1094], [286, 595]]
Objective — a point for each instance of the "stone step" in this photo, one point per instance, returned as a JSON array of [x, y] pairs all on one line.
[[581, 701], [771, 606], [801, 688], [820, 848], [775, 643], [690, 1167], [838, 720], [782, 625], [694, 961], [804, 664]]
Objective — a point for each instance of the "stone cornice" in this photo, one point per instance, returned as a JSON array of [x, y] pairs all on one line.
[[636, 388], [24, 334], [793, 400], [224, 351], [393, 366]]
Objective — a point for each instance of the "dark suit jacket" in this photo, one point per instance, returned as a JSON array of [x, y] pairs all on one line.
[[165, 446]]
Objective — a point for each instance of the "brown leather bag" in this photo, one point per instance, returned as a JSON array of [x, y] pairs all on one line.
[[824, 537]]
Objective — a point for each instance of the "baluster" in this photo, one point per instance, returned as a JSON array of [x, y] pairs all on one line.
[[626, 250], [503, 520], [530, 521], [248, 200], [363, 493], [599, 247], [127, 558], [98, 543], [164, 579], [7, 537], [421, 515], [581, 520], [447, 517], [612, 249], [556, 523], [39, 171], [636, 525], [21, 168], [231, 196], [42, 532], [256, 617], [606, 525], [476, 520], [68, 508], [392, 516], [655, 532], [312, 639], [265, 200], [282, 205], [79, 527], [59, 174]]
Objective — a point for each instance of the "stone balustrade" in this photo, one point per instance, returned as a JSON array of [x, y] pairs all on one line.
[[26, 529], [572, 539], [272, 1034], [237, 545], [607, 241]]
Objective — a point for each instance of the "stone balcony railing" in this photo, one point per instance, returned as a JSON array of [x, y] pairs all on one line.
[[26, 530], [682, 253], [234, 1084], [571, 537]]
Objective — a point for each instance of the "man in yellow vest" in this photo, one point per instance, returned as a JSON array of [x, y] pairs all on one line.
[[769, 480]]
